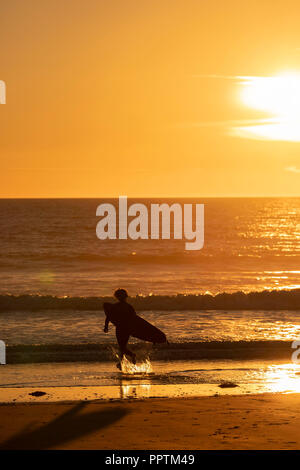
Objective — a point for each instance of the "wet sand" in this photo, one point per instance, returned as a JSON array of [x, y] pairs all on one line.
[[265, 421]]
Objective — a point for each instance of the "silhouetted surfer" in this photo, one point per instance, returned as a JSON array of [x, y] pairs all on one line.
[[128, 323], [122, 316]]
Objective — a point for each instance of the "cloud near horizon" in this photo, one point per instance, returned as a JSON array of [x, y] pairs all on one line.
[[293, 169]]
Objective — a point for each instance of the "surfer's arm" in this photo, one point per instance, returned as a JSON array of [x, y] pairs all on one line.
[[106, 325]]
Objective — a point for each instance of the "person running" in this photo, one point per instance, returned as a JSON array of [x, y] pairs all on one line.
[[128, 323], [122, 316]]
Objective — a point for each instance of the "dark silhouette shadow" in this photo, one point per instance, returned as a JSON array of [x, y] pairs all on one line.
[[70, 425]]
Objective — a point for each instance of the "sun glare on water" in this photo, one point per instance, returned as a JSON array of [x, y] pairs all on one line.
[[278, 96]]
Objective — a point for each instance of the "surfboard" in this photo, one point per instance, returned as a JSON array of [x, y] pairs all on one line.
[[139, 328]]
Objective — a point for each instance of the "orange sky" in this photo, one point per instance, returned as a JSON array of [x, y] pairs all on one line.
[[138, 97]]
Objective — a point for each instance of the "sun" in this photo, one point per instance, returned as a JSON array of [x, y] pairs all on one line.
[[278, 97]]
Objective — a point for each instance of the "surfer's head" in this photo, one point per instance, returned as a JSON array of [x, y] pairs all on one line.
[[121, 294]]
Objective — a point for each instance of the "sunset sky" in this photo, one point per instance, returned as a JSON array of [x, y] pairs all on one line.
[[150, 98]]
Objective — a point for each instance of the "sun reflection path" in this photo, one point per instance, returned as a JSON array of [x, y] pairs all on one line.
[[283, 378]]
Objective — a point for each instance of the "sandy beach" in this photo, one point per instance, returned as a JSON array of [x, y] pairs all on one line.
[[265, 421]]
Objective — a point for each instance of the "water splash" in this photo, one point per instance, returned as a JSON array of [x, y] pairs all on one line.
[[128, 368], [143, 366]]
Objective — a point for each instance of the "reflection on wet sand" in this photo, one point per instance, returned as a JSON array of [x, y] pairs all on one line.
[[284, 378], [167, 380], [128, 390]]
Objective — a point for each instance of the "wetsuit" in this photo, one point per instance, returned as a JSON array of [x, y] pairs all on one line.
[[121, 316]]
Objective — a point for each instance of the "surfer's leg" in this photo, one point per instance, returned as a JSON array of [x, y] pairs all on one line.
[[123, 337]]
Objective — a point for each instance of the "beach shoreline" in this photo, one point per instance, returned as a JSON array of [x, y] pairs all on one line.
[[126, 390], [264, 421]]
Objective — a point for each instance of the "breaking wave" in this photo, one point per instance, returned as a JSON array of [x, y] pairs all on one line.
[[94, 352], [265, 300]]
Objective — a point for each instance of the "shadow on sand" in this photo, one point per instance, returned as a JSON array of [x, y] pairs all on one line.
[[70, 425]]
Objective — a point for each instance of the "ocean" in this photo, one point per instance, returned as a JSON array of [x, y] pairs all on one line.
[[50, 247], [235, 300]]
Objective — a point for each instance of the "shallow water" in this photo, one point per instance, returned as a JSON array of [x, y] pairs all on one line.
[[69, 381], [69, 327]]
